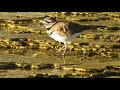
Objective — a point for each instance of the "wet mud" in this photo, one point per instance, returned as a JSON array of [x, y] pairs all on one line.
[[27, 51]]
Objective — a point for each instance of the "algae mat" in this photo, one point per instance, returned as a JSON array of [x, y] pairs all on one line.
[[26, 51]]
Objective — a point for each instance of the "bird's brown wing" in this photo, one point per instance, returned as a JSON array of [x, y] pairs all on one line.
[[61, 29], [66, 28], [75, 28]]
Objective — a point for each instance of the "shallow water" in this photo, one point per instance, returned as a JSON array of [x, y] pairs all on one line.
[[72, 58]]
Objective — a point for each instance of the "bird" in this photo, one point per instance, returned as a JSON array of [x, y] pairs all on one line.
[[61, 31]]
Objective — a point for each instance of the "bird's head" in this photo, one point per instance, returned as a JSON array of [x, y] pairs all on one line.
[[48, 21]]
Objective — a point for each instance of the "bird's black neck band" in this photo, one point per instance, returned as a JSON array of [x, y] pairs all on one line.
[[51, 26]]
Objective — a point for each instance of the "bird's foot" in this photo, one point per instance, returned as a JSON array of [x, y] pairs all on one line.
[[60, 53], [59, 50]]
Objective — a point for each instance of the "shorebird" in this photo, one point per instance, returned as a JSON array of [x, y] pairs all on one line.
[[61, 31]]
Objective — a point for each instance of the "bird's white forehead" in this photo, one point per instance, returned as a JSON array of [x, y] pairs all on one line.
[[48, 25]]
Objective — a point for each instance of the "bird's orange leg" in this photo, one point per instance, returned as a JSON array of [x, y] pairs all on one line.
[[59, 50]]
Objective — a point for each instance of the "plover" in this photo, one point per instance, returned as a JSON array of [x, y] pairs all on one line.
[[61, 31]]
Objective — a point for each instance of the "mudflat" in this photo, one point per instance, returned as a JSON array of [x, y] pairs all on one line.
[[26, 51]]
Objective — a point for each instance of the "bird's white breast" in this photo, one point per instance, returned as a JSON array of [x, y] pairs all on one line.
[[55, 36], [59, 38]]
